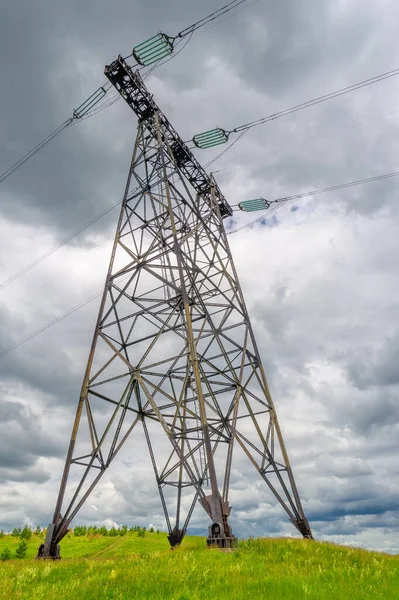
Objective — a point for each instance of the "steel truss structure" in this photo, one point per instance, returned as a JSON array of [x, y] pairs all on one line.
[[173, 349]]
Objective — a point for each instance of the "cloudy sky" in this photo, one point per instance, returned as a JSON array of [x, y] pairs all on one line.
[[320, 279]]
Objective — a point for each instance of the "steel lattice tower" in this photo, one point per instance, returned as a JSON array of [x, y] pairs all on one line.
[[173, 349]]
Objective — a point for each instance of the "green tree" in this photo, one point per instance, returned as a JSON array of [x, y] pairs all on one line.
[[2, 534], [38, 530], [151, 530], [22, 547], [26, 533], [5, 555], [113, 532], [16, 532]]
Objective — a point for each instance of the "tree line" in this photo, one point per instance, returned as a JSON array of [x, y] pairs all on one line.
[[25, 533]]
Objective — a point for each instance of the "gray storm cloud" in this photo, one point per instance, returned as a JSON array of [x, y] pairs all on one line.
[[321, 283]]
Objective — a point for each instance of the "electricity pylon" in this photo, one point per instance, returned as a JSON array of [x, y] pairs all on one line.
[[173, 348]]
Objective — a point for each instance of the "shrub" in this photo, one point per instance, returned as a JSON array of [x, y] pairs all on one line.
[[2, 534], [141, 532], [38, 530], [113, 532], [5, 555], [151, 530], [22, 547]]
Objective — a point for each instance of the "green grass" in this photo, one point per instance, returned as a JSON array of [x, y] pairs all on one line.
[[132, 567]]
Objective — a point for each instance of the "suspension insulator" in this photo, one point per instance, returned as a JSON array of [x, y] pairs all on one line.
[[210, 138], [252, 205], [149, 52], [88, 104]]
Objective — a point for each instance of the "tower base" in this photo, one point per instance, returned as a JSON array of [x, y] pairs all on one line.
[[53, 554], [176, 537], [303, 527], [49, 549], [216, 537]]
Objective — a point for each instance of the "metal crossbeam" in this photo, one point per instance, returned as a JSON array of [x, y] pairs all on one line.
[[132, 89]]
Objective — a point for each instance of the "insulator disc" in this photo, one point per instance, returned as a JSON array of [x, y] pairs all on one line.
[[210, 138], [252, 205], [153, 49]]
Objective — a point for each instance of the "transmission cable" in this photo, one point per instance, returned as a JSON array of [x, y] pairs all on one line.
[[214, 137], [226, 18], [278, 202], [215, 15], [67, 313], [216, 158], [57, 246], [147, 53], [78, 113], [8, 349], [266, 203], [308, 141], [35, 150], [160, 64]]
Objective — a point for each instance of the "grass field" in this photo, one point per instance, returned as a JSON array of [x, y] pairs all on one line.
[[133, 567]]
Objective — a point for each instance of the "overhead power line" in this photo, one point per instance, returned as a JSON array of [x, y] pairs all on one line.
[[340, 186], [57, 246], [151, 52], [212, 17], [273, 206], [49, 324], [229, 8], [280, 201], [161, 45], [232, 14], [214, 137], [77, 114], [216, 158], [296, 144], [35, 150]]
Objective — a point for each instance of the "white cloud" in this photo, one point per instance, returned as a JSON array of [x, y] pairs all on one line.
[[321, 284]]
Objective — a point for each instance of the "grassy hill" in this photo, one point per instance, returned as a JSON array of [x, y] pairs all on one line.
[[127, 567]]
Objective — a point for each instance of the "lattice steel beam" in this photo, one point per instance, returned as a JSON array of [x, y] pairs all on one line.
[[173, 348]]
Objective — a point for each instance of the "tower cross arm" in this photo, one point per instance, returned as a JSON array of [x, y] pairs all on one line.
[[131, 87]]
